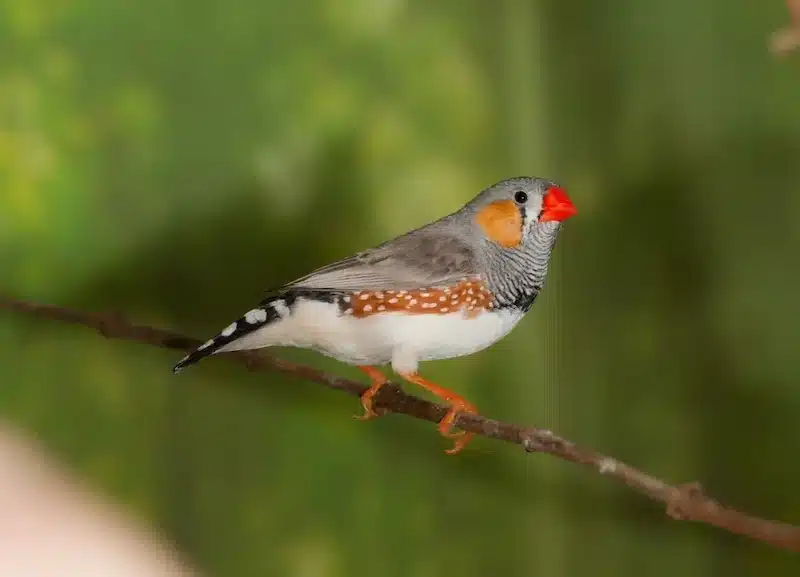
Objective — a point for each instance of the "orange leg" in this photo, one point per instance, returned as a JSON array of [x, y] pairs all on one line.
[[457, 405], [378, 380]]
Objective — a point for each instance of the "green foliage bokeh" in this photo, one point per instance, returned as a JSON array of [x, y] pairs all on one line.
[[174, 160]]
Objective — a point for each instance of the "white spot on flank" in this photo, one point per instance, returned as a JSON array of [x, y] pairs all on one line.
[[364, 296], [412, 302], [401, 293], [381, 308], [408, 297], [378, 295], [442, 298], [229, 330], [367, 308], [392, 300], [469, 292], [348, 312], [346, 299], [425, 295], [256, 316], [444, 309]]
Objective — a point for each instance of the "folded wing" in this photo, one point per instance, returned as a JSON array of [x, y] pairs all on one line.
[[409, 262]]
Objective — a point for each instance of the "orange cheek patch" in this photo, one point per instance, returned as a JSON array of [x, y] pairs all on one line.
[[501, 221], [468, 295]]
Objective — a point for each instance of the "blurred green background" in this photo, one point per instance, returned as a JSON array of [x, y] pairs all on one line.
[[174, 160]]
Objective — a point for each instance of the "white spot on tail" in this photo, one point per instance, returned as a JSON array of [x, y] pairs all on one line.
[[205, 345], [256, 316], [229, 330], [281, 308]]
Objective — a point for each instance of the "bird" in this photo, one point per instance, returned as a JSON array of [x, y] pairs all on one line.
[[447, 289]]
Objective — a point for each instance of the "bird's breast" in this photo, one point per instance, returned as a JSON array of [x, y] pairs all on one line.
[[458, 334]]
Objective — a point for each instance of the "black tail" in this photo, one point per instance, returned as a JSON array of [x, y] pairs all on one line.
[[270, 310]]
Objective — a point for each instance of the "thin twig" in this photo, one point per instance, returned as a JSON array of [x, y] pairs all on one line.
[[686, 502]]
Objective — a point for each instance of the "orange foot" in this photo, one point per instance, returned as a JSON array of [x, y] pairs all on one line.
[[378, 380], [457, 405]]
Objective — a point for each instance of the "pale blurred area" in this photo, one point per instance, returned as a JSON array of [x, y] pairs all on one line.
[[53, 525]]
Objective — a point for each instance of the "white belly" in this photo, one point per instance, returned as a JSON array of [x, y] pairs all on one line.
[[398, 338]]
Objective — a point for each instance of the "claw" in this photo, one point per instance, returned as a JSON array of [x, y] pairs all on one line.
[[460, 443], [368, 414], [378, 380], [366, 402], [461, 438], [457, 405]]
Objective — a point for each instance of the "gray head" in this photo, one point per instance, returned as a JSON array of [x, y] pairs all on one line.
[[513, 210], [516, 222]]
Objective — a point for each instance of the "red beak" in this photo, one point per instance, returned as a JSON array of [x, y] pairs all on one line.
[[557, 206]]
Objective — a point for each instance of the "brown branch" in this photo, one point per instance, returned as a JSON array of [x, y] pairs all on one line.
[[686, 502]]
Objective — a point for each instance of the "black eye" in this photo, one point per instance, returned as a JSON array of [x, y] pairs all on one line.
[[521, 197]]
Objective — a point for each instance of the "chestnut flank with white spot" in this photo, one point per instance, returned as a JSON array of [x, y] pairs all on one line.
[[469, 294]]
